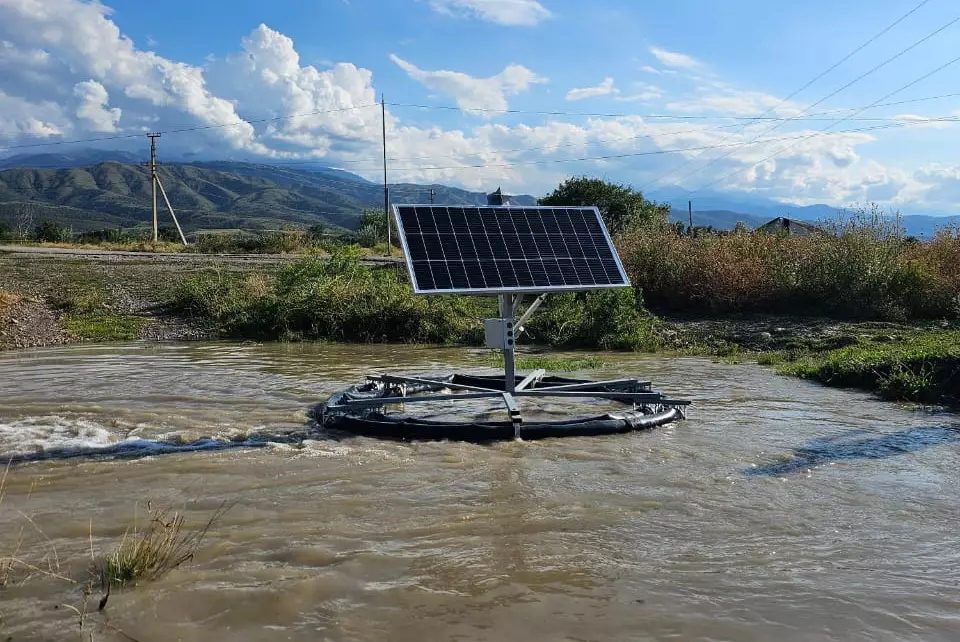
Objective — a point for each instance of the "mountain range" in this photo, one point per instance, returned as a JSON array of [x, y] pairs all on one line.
[[92, 189], [205, 195]]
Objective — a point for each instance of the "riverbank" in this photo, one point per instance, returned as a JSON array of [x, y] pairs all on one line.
[[53, 300]]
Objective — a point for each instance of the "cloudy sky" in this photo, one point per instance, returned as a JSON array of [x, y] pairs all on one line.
[[811, 102]]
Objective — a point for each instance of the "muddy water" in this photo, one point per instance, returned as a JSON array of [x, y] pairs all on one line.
[[779, 510]]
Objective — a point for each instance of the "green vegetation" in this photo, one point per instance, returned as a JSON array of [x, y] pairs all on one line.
[[341, 300], [161, 546], [922, 367], [206, 196], [79, 292], [144, 554], [553, 364], [104, 327], [621, 207]]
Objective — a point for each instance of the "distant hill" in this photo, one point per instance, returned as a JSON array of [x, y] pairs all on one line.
[[74, 158], [718, 219], [215, 195]]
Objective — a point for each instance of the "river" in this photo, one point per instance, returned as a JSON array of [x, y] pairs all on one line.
[[779, 510]]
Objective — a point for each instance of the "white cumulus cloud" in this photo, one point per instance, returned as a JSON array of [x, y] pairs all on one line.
[[524, 13], [92, 108], [66, 70], [474, 93]]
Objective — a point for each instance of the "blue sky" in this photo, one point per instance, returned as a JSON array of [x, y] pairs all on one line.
[[678, 73]]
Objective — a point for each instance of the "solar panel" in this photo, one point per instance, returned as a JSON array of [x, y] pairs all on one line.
[[496, 249]]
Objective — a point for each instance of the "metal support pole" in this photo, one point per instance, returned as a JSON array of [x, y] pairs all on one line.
[[386, 188], [153, 181], [166, 200], [509, 367]]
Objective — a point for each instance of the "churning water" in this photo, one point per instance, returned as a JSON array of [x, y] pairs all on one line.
[[779, 510]]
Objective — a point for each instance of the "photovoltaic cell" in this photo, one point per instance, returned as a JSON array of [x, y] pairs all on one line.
[[492, 249]]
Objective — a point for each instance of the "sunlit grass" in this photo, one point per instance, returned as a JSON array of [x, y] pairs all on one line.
[[546, 362], [922, 367], [8, 300], [104, 327]]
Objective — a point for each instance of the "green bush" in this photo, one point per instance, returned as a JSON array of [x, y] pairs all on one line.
[[340, 299], [6, 232], [51, 232]]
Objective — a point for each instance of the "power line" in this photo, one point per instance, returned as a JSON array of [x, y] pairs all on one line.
[[196, 128], [674, 150], [891, 104], [762, 117], [828, 128], [837, 91], [809, 83]]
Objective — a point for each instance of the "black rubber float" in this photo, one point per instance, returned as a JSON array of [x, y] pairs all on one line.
[[371, 422]]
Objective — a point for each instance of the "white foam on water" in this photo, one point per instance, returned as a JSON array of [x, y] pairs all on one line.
[[57, 437]]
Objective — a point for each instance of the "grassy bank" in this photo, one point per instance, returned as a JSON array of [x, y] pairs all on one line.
[[923, 367]]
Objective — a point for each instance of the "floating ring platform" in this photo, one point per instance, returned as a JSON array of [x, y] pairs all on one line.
[[360, 410]]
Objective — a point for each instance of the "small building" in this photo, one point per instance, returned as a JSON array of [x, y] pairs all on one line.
[[498, 198], [788, 226]]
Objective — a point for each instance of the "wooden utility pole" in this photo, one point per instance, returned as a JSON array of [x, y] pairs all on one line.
[[154, 184], [690, 214], [433, 195], [153, 180], [386, 188]]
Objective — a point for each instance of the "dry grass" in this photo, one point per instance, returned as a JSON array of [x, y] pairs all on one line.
[[862, 266], [8, 300], [128, 246]]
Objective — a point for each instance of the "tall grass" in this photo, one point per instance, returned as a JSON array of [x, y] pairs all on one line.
[[861, 266]]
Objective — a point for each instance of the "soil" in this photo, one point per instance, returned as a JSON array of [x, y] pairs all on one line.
[[27, 323]]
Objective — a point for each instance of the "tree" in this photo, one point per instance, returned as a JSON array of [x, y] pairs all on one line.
[[620, 206], [6, 232], [51, 232], [24, 213]]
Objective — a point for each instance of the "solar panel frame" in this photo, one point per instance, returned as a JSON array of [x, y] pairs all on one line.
[[494, 251]]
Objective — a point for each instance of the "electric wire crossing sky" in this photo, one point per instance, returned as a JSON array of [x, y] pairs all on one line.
[[494, 249]]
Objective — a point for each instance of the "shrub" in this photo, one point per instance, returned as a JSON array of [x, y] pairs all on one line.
[[339, 299], [51, 232], [861, 266]]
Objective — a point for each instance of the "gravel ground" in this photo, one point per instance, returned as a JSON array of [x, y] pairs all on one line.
[[124, 288], [28, 323]]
